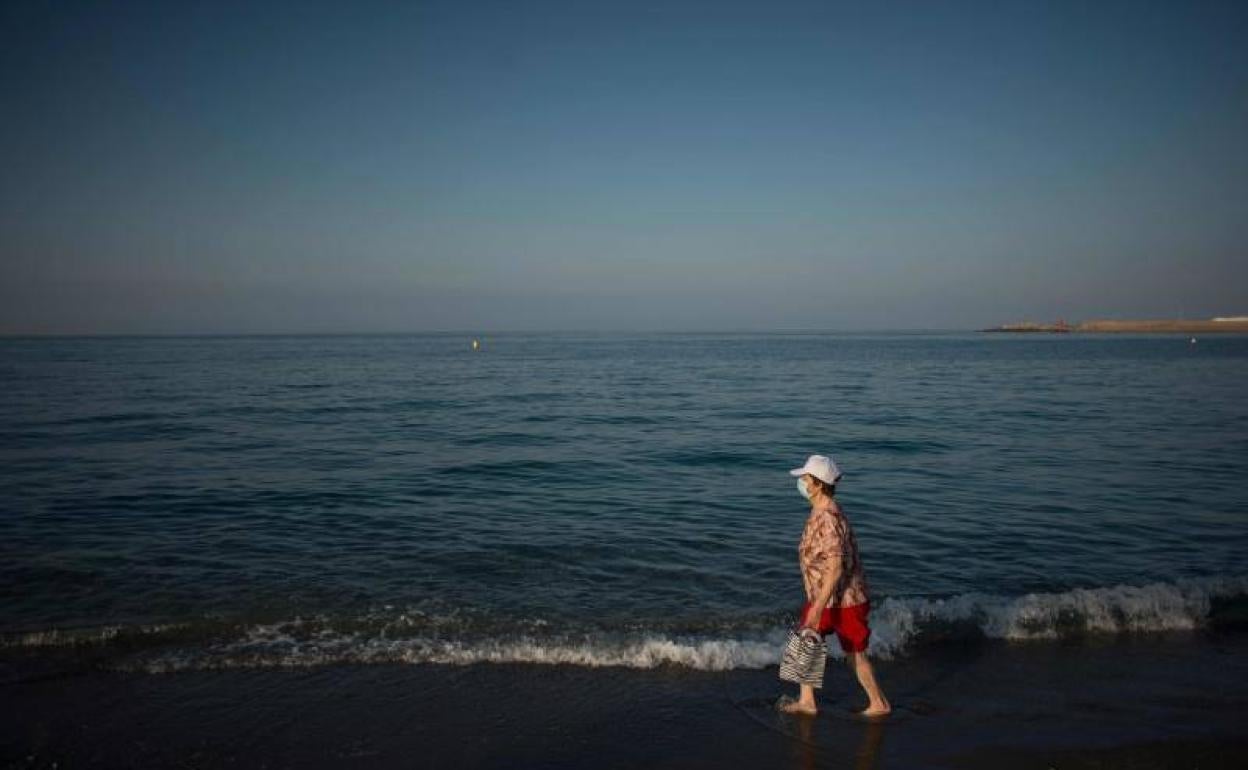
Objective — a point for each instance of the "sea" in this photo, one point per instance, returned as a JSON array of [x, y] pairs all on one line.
[[606, 500]]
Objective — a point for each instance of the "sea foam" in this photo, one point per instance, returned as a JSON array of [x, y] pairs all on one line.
[[899, 625]]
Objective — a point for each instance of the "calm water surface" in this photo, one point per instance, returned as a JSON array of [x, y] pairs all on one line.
[[605, 498]]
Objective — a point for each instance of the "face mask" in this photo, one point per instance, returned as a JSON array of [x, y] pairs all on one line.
[[801, 487]]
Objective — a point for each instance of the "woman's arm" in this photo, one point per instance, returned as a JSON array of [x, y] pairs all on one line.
[[820, 600], [828, 555]]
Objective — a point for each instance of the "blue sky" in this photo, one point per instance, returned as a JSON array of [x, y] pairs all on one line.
[[212, 167]]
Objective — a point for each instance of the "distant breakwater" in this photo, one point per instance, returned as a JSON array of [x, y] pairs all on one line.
[[1176, 326]]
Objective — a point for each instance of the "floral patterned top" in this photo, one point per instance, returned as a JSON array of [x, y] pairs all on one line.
[[827, 540]]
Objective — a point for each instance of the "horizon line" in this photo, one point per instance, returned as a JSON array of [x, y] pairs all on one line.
[[486, 332]]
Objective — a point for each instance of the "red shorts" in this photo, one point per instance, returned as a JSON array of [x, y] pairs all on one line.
[[849, 623]]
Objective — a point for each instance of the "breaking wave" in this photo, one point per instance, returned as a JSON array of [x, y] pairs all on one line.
[[899, 625], [79, 637]]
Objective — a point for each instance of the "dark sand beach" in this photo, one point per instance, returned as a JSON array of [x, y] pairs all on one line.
[[1149, 701]]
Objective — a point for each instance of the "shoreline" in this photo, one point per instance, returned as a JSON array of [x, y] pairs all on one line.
[[1147, 701]]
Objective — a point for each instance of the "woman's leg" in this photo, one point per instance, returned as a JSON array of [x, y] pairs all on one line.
[[805, 703], [878, 705], [807, 697]]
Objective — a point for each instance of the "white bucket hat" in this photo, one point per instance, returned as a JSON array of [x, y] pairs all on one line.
[[822, 468]]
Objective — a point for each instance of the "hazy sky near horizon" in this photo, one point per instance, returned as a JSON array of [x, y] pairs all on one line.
[[489, 166]]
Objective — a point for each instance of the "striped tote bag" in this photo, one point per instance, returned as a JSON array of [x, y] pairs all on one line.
[[804, 657]]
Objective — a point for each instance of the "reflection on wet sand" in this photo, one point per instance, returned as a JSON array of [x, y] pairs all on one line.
[[811, 748]]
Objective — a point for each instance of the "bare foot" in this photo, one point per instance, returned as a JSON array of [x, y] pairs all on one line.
[[875, 712], [797, 707]]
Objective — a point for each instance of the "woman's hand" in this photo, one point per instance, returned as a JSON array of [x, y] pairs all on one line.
[[812, 617]]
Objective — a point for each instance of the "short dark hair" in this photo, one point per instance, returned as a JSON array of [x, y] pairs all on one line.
[[825, 487]]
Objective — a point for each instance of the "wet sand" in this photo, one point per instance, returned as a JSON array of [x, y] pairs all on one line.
[[1155, 701]]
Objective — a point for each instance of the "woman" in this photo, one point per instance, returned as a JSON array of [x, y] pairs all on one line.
[[836, 588]]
